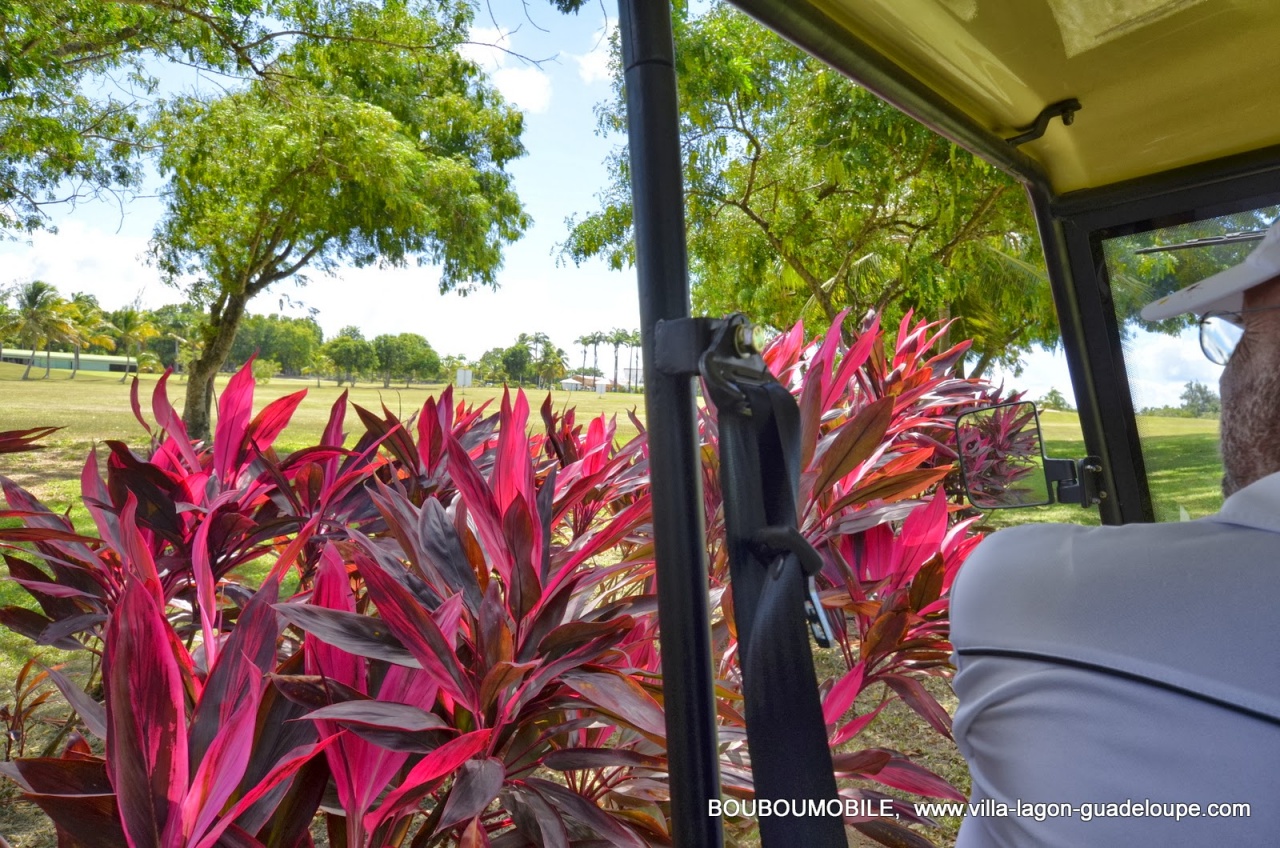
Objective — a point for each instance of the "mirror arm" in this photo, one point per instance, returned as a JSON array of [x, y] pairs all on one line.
[[1077, 479]]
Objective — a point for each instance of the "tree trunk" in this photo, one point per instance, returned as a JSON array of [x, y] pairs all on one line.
[[127, 354], [31, 360], [75, 366], [197, 412]]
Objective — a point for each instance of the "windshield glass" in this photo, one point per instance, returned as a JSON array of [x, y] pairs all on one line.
[[1173, 384]]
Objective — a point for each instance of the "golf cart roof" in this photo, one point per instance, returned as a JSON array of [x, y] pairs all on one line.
[[1161, 84]]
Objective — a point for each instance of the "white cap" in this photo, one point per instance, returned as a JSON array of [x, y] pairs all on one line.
[[1224, 291]]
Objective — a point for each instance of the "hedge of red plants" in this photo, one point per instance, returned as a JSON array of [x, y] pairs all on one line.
[[466, 650]]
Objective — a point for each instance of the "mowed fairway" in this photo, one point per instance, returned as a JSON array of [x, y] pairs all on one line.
[[1184, 469], [1183, 466], [95, 407]]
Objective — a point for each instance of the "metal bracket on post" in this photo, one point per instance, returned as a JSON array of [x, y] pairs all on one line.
[[1078, 480]]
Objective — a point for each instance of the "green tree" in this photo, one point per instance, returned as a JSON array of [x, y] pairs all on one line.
[[585, 341], [180, 326], [552, 365], [1054, 399], [595, 340], [319, 366], [806, 195], [1199, 400], [132, 330], [516, 360], [90, 327], [405, 356], [617, 337], [351, 354], [8, 321], [354, 152], [41, 316], [634, 343], [490, 367]]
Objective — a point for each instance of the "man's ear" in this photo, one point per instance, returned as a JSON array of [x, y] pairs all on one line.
[[1263, 294]]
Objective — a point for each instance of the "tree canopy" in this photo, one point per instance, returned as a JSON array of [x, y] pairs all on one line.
[[355, 151], [807, 195]]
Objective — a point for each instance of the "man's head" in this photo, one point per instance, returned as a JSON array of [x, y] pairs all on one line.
[[1250, 382], [1250, 390]]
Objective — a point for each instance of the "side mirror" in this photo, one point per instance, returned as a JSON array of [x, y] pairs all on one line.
[[1002, 462]]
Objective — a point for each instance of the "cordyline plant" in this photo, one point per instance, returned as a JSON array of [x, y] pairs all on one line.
[[469, 657]]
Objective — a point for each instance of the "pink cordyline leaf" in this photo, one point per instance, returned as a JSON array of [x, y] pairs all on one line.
[[854, 359], [901, 773], [856, 725], [420, 633], [136, 405], [221, 768], [783, 352], [135, 552], [94, 495], [234, 408], [817, 376], [512, 476], [285, 769], [843, 693], [171, 423], [17, 441], [270, 422], [146, 718], [202, 569], [475, 493], [920, 538], [618, 695], [428, 774], [249, 654], [914, 695]]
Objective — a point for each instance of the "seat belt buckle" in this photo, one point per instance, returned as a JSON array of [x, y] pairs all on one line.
[[816, 616]]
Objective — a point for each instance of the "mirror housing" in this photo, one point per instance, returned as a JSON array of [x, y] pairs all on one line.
[[1003, 465]]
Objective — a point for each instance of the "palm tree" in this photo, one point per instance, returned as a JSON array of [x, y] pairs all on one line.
[[597, 339], [617, 337], [633, 345], [585, 341], [41, 316], [552, 365], [8, 320], [133, 329], [90, 325]]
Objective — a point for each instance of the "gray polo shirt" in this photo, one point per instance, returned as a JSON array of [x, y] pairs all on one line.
[[1098, 666]]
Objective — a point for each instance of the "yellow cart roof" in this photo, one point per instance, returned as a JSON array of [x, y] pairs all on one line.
[[1162, 83]]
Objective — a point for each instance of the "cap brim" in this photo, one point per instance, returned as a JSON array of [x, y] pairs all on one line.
[[1223, 291]]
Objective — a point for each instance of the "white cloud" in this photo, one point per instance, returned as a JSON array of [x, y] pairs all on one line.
[[527, 88], [522, 84], [593, 66], [81, 258]]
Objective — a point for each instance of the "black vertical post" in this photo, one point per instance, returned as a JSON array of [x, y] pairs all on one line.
[[653, 123]]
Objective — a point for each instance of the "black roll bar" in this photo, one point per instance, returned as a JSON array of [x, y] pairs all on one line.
[[680, 545]]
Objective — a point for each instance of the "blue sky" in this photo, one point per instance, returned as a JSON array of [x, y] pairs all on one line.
[[100, 246]]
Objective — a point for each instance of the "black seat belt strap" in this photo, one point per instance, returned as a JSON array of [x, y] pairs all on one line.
[[772, 566]]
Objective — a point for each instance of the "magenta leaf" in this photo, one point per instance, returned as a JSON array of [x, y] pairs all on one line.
[[146, 719]]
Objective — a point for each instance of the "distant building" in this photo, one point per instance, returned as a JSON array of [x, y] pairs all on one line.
[[578, 382], [65, 361]]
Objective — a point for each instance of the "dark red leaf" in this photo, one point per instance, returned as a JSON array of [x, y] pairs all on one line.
[[572, 759], [361, 635], [475, 787]]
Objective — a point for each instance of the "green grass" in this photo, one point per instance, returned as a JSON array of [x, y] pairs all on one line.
[[95, 407], [1184, 469]]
